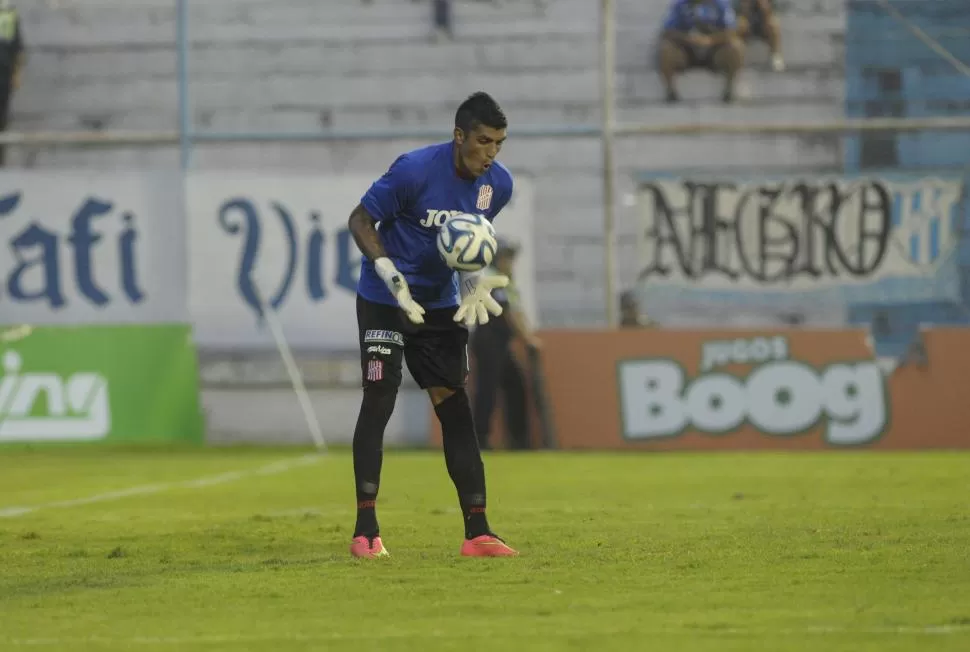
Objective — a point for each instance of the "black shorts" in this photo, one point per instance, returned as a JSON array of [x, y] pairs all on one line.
[[436, 351], [700, 57]]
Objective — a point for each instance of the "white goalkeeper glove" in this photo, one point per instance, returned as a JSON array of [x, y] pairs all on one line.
[[395, 282], [477, 301]]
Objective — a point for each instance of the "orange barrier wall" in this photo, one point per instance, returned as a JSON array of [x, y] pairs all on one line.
[[732, 390]]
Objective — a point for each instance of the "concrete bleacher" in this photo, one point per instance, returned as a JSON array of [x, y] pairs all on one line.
[[324, 65]]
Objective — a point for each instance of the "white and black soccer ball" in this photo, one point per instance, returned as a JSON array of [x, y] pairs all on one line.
[[467, 242]]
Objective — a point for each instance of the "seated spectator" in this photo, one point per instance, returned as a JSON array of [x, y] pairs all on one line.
[[630, 316], [757, 20], [700, 34]]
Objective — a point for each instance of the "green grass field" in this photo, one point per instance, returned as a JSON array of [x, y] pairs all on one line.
[[220, 550]]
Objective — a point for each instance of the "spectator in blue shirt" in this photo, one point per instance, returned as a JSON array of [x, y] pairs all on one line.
[[700, 34]]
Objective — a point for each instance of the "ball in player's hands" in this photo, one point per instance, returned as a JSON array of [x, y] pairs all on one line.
[[466, 242]]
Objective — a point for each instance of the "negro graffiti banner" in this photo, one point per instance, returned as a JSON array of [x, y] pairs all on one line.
[[761, 389], [95, 247], [280, 242], [733, 250]]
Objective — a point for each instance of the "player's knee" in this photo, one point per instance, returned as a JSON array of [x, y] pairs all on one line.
[[376, 409], [455, 414], [380, 396]]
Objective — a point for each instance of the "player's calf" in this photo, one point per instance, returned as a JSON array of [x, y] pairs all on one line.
[[368, 450], [467, 471], [463, 459]]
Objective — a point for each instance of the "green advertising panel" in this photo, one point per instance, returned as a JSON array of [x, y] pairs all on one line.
[[99, 383]]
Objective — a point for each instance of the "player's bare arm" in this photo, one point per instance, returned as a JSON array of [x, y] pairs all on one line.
[[363, 228], [364, 231]]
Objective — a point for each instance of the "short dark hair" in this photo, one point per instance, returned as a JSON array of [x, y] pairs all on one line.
[[479, 109]]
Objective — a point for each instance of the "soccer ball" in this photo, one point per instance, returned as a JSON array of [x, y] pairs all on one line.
[[467, 242]]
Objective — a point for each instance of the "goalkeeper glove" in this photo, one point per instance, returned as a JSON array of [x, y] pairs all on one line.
[[477, 301], [394, 280]]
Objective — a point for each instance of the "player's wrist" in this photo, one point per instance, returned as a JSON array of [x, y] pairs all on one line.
[[389, 273], [384, 265], [469, 281]]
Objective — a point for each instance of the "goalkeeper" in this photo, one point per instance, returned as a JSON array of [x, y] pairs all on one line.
[[408, 308]]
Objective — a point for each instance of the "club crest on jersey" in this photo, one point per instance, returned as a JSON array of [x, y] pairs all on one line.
[[375, 370], [484, 198]]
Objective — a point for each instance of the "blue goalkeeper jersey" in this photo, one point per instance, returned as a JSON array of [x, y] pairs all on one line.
[[409, 202], [707, 17]]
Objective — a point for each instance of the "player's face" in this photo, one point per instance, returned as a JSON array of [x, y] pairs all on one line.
[[478, 149]]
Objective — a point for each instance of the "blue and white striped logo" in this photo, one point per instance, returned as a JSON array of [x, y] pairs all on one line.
[[925, 219]]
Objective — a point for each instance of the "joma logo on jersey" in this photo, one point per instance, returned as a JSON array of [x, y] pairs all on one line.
[[436, 218]]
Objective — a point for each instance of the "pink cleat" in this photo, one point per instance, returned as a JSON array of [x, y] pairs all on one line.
[[486, 545], [368, 548]]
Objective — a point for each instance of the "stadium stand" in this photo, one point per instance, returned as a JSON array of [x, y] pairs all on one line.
[[892, 72], [305, 65]]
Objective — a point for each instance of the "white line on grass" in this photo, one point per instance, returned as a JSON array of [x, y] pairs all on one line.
[[144, 490], [216, 639]]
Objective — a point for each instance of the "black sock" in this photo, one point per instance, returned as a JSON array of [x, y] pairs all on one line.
[[464, 461], [375, 412], [366, 524]]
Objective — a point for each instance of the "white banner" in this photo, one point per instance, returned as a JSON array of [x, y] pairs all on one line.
[[285, 237], [813, 246], [97, 247]]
